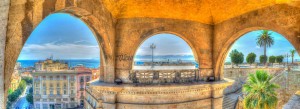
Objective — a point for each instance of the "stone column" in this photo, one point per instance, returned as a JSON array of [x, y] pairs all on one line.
[[4, 9], [217, 93], [109, 101]]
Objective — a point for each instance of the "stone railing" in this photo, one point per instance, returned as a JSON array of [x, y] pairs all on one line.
[[163, 76]]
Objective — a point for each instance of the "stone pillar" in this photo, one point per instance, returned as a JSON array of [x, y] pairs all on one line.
[[109, 101], [217, 93], [4, 9], [206, 72]]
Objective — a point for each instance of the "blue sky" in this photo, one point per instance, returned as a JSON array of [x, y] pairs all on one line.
[[166, 44], [64, 36], [67, 37], [247, 44]]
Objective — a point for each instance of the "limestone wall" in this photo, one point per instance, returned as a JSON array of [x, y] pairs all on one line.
[[4, 7], [198, 95]]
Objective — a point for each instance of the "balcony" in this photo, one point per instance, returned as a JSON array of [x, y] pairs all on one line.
[[37, 80], [81, 89], [36, 96], [81, 97], [81, 81], [164, 76], [51, 96], [72, 79], [58, 96], [72, 95]]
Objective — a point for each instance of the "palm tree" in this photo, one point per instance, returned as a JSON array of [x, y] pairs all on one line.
[[260, 92], [292, 54], [265, 40]]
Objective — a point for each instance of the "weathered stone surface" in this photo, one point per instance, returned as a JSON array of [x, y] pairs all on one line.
[[4, 9], [197, 95]]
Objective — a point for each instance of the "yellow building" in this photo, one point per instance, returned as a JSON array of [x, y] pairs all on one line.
[[55, 89], [50, 65], [15, 80]]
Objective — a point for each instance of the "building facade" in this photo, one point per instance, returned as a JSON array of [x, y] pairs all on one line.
[[82, 79], [15, 80], [55, 89]]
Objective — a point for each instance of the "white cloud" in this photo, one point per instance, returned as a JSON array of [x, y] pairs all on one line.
[[59, 51]]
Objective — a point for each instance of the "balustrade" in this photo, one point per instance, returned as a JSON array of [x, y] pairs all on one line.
[[164, 76]]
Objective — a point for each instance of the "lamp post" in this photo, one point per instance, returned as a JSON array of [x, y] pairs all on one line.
[[287, 58], [152, 46]]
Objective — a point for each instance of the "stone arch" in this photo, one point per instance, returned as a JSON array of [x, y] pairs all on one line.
[[151, 33], [15, 40], [228, 44], [282, 18]]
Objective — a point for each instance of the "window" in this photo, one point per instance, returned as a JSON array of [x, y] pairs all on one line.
[[58, 92], [72, 84], [44, 85], [51, 77], [45, 93], [65, 99], [45, 106], [36, 92], [51, 92], [51, 85], [65, 84], [65, 92], [36, 84], [72, 99], [82, 79], [57, 85], [87, 79], [37, 106], [72, 91], [65, 77], [57, 77]]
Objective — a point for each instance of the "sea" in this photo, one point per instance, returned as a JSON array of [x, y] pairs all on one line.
[[94, 63], [90, 63]]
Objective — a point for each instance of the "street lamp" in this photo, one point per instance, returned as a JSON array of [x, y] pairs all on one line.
[[287, 58], [152, 46]]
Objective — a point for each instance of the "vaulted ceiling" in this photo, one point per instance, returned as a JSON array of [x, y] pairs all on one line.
[[204, 11]]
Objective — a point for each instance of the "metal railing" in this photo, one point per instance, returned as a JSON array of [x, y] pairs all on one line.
[[164, 76]]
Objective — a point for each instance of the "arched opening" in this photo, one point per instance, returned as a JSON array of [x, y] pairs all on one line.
[[58, 59], [247, 55], [165, 57]]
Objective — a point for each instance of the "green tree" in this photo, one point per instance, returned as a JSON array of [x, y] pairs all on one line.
[[236, 57], [29, 98], [293, 54], [279, 59], [28, 80], [272, 59], [260, 92], [263, 59], [251, 58], [265, 40], [10, 91]]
